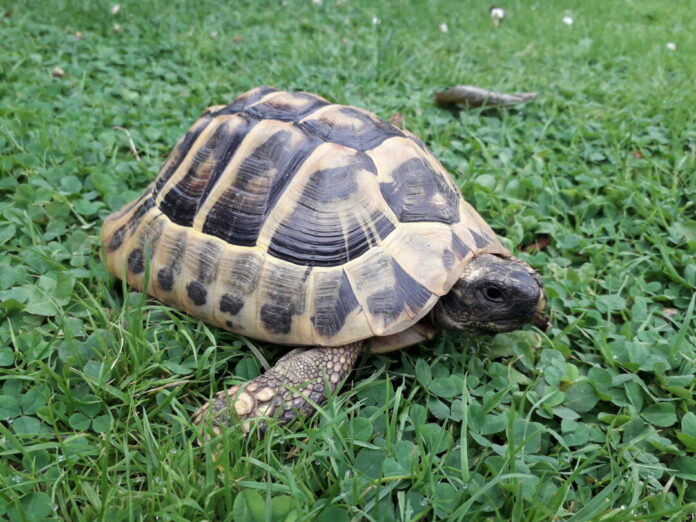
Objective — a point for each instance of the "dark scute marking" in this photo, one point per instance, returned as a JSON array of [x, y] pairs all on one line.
[[276, 318], [208, 262], [246, 99], [364, 162], [459, 248], [229, 324], [288, 166], [406, 293], [181, 149], [182, 200], [334, 300], [197, 293], [165, 278], [152, 232], [142, 209], [284, 292], [447, 258], [224, 152], [136, 261], [177, 254], [239, 214], [116, 239], [363, 133], [328, 226], [481, 241], [419, 193], [277, 110], [231, 304]]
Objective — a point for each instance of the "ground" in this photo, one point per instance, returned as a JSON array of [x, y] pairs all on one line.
[[593, 184]]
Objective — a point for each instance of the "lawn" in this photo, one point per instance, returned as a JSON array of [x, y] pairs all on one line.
[[593, 184]]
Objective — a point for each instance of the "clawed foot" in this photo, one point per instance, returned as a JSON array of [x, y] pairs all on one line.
[[256, 400], [292, 388]]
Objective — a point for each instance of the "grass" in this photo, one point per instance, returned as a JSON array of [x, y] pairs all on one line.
[[593, 420]]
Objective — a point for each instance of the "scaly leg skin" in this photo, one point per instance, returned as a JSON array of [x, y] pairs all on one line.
[[283, 391]]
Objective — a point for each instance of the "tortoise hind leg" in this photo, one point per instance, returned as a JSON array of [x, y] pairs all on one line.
[[284, 391]]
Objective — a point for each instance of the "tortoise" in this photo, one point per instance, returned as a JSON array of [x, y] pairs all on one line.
[[295, 221]]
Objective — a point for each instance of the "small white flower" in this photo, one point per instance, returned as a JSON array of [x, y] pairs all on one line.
[[316, 2], [497, 12], [213, 34], [568, 20], [671, 46], [376, 21], [115, 9], [117, 28], [443, 28]]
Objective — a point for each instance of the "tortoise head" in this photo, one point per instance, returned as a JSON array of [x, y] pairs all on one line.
[[494, 294]]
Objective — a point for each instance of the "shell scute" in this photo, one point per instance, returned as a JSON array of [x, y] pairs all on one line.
[[202, 167], [237, 283], [283, 292], [392, 298], [427, 252], [331, 218], [413, 186], [349, 126], [285, 106], [236, 210], [333, 302], [173, 162], [246, 100]]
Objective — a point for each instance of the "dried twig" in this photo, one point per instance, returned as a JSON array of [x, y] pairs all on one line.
[[130, 141], [476, 97]]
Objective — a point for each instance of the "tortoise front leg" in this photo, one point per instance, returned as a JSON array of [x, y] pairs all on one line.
[[284, 391]]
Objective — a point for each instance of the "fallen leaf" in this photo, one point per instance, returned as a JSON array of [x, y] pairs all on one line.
[[397, 120], [477, 97], [540, 243]]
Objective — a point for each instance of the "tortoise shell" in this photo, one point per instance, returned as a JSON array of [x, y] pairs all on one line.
[[292, 220]]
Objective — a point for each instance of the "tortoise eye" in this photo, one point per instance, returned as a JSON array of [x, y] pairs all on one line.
[[493, 293]]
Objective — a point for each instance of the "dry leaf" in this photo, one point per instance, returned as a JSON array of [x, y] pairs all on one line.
[[397, 120], [540, 243], [476, 97]]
